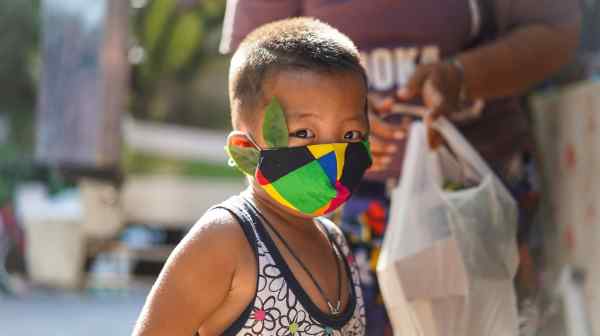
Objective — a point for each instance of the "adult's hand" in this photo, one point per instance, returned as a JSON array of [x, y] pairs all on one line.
[[382, 138], [439, 86]]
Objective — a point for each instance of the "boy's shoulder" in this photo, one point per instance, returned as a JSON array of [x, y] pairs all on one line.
[[199, 274], [219, 225], [216, 234]]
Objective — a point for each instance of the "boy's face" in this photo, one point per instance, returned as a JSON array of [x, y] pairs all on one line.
[[319, 107]]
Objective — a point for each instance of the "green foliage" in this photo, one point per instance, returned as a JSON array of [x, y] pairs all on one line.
[[19, 49], [158, 15], [12, 170], [18, 45], [16, 168], [275, 131], [213, 8], [142, 164], [19, 24], [180, 41], [172, 35], [186, 38]]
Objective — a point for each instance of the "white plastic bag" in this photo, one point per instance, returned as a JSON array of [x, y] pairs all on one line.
[[448, 258]]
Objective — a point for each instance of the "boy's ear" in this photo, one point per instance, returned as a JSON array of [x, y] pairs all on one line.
[[242, 152]]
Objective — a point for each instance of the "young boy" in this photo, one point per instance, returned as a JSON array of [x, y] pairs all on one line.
[[264, 262]]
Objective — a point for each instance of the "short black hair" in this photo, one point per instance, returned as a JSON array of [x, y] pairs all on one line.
[[297, 43]]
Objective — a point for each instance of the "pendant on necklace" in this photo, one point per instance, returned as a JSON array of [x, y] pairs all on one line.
[[334, 310]]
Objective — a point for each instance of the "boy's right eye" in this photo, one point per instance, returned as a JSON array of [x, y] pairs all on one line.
[[303, 134]]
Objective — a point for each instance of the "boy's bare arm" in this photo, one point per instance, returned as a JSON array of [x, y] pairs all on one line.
[[196, 278]]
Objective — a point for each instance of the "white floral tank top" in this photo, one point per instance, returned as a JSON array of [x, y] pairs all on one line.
[[281, 307]]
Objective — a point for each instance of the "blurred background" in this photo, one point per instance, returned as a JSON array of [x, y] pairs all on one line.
[[90, 212]]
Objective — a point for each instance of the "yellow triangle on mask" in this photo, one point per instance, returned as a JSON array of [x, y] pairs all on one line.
[[340, 157], [318, 151]]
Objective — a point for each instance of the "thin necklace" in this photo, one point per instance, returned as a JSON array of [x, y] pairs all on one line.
[[335, 309]]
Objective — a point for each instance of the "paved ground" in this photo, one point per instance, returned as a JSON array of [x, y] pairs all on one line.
[[68, 314]]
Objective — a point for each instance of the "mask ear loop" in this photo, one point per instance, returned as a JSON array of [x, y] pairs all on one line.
[[251, 138]]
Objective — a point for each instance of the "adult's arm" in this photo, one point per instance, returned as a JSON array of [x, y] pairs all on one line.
[[243, 16], [540, 37], [537, 37]]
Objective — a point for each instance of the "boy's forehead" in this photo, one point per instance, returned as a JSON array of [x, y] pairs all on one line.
[[306, 93]]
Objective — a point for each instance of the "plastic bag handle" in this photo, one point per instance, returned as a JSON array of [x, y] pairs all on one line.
[[461, 147]]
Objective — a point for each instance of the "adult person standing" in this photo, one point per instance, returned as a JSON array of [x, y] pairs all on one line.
[[468, 60]]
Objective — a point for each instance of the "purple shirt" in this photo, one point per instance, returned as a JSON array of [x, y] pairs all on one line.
[[394, 36]]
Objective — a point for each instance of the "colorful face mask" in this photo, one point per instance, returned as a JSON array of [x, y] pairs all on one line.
[[314, 179]]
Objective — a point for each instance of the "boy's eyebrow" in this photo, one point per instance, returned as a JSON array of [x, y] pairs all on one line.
[[355, 118], [301, 115]]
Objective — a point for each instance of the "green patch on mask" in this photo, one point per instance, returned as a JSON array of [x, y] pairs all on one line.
[[312, 199], [275, 131], [367, 145]]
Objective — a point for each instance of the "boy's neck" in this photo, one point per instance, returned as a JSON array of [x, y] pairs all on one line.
[[278, 215]]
